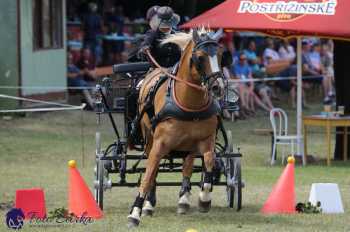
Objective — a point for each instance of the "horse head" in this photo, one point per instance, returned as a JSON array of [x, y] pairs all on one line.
[[206, 59]]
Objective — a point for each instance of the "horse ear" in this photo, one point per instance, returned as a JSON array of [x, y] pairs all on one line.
[[195, 35]]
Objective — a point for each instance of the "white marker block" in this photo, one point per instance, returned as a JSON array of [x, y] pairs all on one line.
[[329, 196]]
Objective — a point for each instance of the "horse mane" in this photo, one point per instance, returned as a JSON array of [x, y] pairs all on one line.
[[183, 38]]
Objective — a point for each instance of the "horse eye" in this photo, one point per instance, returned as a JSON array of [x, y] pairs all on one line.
[[201, 59]]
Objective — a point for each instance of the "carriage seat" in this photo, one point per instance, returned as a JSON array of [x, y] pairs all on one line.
[[131, 67]]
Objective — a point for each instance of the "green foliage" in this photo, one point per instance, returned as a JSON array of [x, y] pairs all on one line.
[[308, 208]]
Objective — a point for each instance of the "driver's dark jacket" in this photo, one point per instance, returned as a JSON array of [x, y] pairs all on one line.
[[166, 55]]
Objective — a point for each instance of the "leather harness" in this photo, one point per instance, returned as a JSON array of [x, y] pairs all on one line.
[[171, 109]]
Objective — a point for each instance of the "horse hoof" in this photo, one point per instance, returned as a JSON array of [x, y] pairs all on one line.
[[183, 208], [147, 212], [204, 206], [133, 222]]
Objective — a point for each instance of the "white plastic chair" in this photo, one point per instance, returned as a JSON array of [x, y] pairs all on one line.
[[279, 123]]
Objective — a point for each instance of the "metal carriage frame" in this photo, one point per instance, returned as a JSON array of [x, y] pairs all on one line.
[[115, 159]]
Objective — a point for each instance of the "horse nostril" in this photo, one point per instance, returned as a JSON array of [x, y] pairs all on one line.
[[216, 90]]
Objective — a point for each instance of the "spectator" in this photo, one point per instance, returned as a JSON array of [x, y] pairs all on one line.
[[276, 66], [328, 70], [75, 79], [232, 88], [251, 53], [87, 65], [312, 67], [260, 87], [92, 27], [99, 53], [116, 25], [286, 51], [248, 97]]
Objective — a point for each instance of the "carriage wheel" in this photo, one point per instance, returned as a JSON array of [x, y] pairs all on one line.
[[99, 173], [237, 177], [233, 177], [234, 183], [228, 171], [229, 189]]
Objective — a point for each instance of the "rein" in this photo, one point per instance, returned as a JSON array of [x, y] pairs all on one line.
[[164, 71]]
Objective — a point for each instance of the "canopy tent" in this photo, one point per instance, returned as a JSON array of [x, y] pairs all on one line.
[[288, 18], [280, 18]]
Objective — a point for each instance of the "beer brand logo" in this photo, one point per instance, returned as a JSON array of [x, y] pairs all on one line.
[[288, 10]]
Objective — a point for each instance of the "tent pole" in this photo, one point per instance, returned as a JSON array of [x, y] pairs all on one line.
[[300, 149]]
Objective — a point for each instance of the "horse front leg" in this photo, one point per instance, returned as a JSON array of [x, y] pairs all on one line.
[[185, 191], [157, 152], [150, 201], [207, 149]]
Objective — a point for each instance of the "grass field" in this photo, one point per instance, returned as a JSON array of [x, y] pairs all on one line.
[[34, 151]]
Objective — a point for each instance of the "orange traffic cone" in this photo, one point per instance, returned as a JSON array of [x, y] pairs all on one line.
[[81, 201], [282, 197]]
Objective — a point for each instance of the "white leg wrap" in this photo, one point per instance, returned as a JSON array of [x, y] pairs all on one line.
[[148, 206], [135, 213], [185, 199], [205, 194]]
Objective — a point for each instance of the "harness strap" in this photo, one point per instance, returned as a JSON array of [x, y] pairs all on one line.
[[173, 110], [198, 87]]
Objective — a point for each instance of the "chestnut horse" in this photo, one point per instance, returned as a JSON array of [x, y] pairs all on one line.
[[193, 89]]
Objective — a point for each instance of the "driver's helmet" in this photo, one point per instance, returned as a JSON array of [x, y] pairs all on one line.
[[164, 19], [152, 11]]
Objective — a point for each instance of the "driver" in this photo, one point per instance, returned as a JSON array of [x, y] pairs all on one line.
[[162, 20]]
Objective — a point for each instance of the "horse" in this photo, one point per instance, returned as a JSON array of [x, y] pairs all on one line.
[[185, 117]]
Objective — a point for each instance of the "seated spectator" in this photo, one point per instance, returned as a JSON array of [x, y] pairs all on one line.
[[276, 66], [87, 65], [261, 88], [312, 67], [272, 61], [250, 53], [286, 51], [75, 79], [243, 72]]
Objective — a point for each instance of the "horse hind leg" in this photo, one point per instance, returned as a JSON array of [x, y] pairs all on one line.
[[184, 203]]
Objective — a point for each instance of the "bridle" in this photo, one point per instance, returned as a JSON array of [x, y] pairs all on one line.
[[206, 80], [210, 48], [165, 71]]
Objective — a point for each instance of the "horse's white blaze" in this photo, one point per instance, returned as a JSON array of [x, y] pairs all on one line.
[[221, 83], [205, 194], [213, 60], [185, 199]]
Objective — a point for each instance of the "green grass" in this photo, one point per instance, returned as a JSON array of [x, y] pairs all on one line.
[[34, 152]]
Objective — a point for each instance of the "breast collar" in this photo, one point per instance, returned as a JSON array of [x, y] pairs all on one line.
[[172, 110]]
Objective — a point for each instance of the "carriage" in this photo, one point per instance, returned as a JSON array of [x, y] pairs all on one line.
[[115, 164]]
